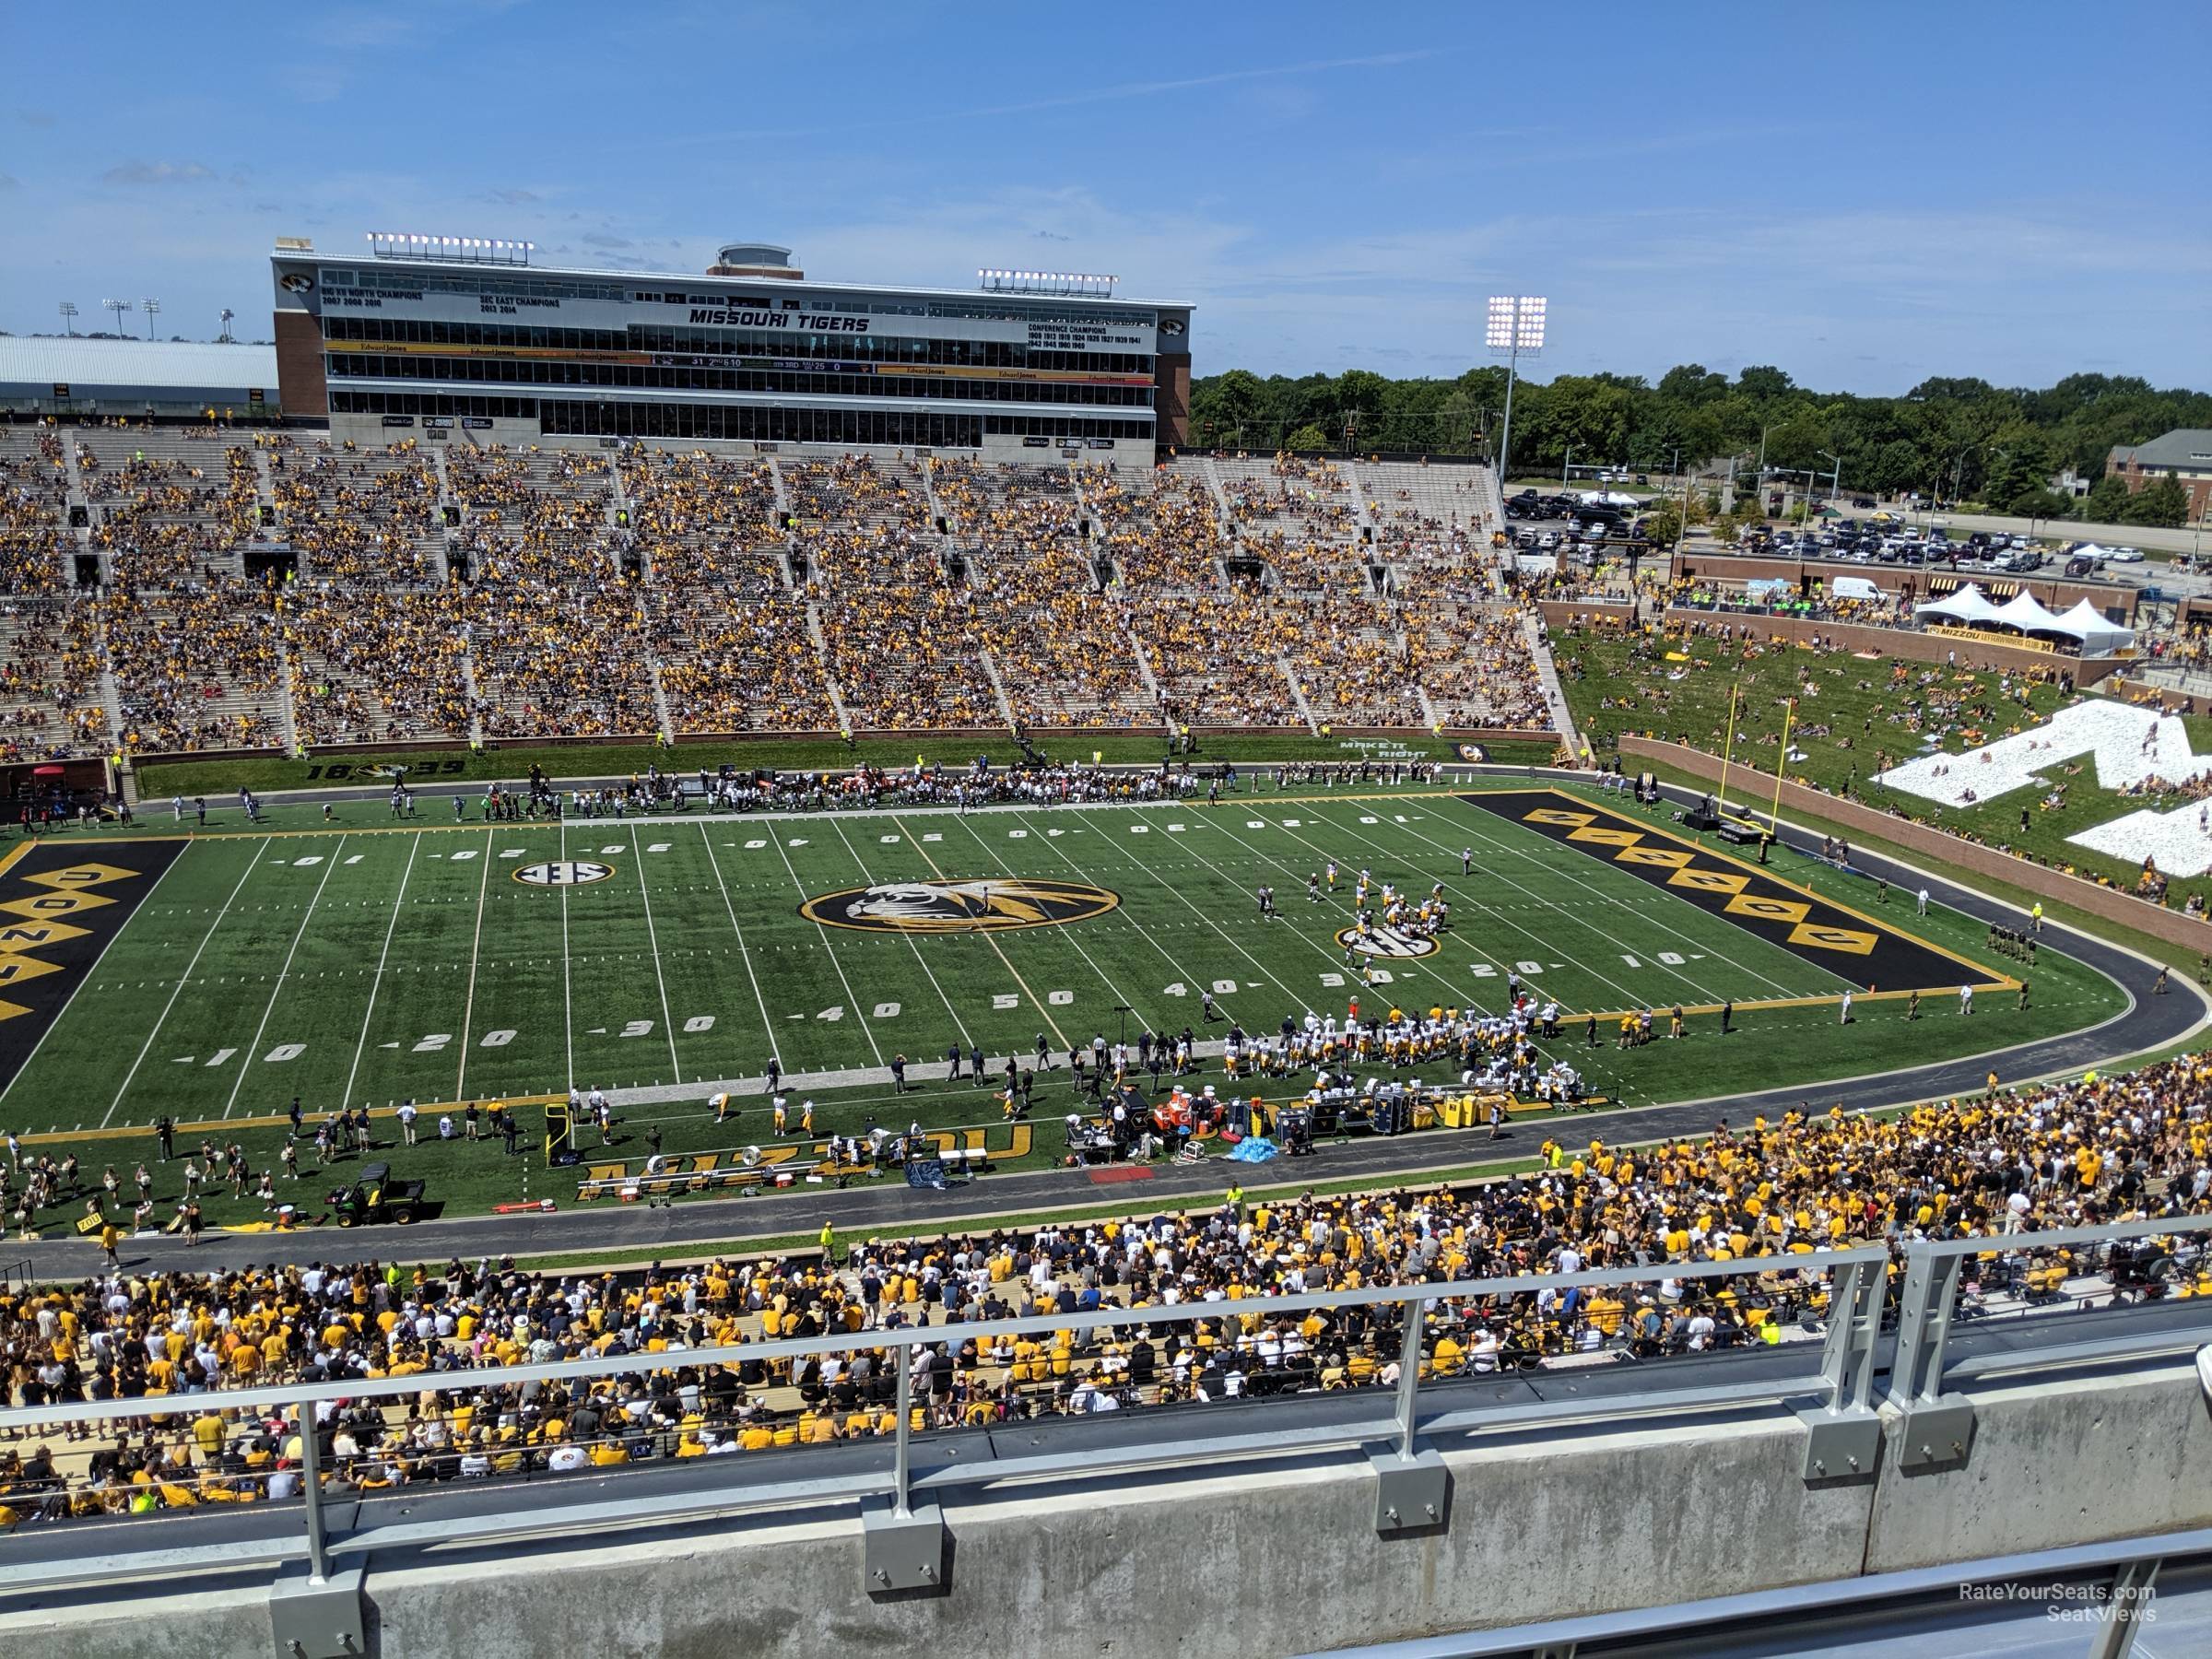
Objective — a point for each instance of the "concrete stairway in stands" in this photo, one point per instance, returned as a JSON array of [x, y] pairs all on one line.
[[1298, 695]]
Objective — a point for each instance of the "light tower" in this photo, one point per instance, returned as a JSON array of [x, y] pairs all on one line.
[[1516, 326], [224, 338], [69, 317], [118, 307], [151, 308]]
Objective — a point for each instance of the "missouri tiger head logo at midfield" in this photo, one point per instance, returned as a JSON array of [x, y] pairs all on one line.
[[959, 906]]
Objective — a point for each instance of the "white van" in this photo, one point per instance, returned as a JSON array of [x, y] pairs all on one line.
[[1855, 587]]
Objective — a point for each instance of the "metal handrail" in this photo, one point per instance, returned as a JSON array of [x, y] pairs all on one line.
[[1929, 1299], [1839, 1381], [898, 1482]]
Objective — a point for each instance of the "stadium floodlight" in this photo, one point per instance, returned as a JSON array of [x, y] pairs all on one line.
[[224, 338], [118, 307], [152, 308], [1081, 284], [461, 250], [1516, 326], [69, 317]]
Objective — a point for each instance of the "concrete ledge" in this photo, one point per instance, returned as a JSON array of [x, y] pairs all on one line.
[[2073, 1461], [1266, 1559]]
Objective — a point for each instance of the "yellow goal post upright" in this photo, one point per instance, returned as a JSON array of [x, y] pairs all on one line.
[[1727, 747]]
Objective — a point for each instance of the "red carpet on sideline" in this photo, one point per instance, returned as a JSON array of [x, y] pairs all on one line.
[[1114, 1172]]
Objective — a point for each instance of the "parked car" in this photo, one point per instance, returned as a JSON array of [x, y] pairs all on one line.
[[2125, 555], [1863, 502], [2082, 564]]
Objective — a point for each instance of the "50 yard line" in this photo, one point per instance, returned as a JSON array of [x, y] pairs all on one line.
[[1035, 1001], [245, 1061], [184, 979], [376, 984], [1120, 996], [957, 1024]]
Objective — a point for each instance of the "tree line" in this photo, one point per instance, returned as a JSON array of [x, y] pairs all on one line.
[[1947, 438]]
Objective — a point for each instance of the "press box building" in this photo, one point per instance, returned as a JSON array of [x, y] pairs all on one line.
[[447, 334]]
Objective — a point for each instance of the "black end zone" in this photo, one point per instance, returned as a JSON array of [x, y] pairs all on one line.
[[60, 907], [1871, 953]]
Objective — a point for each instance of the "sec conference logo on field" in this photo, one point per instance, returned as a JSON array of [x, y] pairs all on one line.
[[959, 906], [1385, 942], [564, 872]]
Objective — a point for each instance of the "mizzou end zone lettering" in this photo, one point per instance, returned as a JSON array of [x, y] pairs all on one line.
[[1015, 1141], [59, 908], [1865, 951]]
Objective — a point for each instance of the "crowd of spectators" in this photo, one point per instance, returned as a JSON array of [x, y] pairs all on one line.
[[2078, 1153], [257, 590]]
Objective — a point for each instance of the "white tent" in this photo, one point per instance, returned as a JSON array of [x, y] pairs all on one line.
[[1966, 605], [2099, 636], [2029, 614]]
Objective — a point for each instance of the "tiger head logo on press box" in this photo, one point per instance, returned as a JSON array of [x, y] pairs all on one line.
[[959, 906]]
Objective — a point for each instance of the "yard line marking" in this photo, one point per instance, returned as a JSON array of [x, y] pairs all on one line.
[[1036, 1002], [653, 942], [777, 842], [183, 979], [1261, 967], [568, 1006], [376, 984], [245, 1060], [767, 1025], [866, 876], [97, 960], [468, 1009], [1119, 994]]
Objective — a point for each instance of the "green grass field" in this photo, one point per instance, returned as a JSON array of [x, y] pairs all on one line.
[[370, 962]]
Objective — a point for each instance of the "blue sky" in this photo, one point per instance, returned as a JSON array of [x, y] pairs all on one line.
[[1864, 194]]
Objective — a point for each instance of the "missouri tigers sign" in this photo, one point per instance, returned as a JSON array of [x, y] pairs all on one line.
[[936, 907]]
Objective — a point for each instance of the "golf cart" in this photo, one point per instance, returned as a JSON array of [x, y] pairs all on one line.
[[375, 1197]]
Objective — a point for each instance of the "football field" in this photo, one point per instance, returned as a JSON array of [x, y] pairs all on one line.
[[370, 962]]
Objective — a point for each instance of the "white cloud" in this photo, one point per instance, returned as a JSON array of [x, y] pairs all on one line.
[[156, 173]]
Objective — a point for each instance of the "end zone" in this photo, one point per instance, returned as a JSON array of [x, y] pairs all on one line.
[[59, 908], [1872, 951]]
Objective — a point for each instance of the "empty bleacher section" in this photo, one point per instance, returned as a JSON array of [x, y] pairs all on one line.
[[1432, 522], [1300, 517], [166, 590]]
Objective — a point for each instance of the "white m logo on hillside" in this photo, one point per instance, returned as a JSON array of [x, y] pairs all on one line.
[[2130, 744]]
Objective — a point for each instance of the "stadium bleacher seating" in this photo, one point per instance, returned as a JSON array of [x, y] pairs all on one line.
[[167, 590]]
